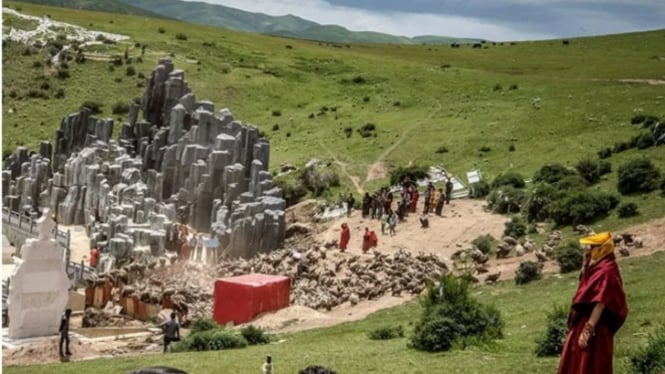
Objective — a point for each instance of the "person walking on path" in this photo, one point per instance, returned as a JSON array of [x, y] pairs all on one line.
[[598, 311], [449, 190], [64, 332], [350, 201], [171, 330]]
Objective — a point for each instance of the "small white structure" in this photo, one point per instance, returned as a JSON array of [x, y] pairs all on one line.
[[38, 286]]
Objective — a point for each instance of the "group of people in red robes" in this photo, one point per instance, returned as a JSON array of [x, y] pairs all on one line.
[[370, 240], [598, 311]]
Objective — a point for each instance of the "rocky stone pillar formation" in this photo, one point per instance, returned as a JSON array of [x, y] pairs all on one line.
[[38, 287]]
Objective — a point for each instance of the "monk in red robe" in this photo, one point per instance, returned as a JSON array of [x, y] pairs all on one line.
[[373, 239], [344, 238], [599, 309], [367, 240], [414, 200]]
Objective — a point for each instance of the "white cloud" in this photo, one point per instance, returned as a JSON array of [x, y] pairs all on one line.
[[564, 20]]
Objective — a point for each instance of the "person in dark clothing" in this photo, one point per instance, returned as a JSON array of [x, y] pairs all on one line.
[[439, 202], [449, 190], [367, 202], [64, 332], [350, 201], [171, 330]]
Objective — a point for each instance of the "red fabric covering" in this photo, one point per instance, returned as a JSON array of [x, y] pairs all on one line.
[[367, 241], [600, 283], [240, 299], [414, 201], [373, 239], [345, 236]]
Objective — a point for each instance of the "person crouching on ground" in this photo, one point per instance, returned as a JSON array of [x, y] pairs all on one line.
[[598, 311]]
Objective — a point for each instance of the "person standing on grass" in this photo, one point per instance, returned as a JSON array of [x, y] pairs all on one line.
[[64, 332], [171, 330], [344, 237], [350, 201], [598, 311], [267, 366]]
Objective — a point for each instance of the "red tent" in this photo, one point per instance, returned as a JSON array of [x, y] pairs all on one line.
[[240, 299]]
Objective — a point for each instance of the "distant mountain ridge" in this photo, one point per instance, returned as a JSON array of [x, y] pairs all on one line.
[[235, 19]]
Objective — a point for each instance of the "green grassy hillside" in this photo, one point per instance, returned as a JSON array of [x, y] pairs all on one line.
[[347, 349], [112, 6], [566, 102]]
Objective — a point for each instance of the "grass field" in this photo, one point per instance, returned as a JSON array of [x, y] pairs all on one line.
[[347, 349], [420, 97]]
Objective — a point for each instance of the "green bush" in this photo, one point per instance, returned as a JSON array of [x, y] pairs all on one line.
[[604, 167], [414, 173], [254, 335], [538, 200], [582, 207], [120, 108], [210, 340], [528, 271], [589, 170], [555, 336], [203, 324], [484, 243], [386, 333], [161, 30], [569, 256], [94, 106], [506, 199], [551, 173], [319, 180], [293, 189], [636, 176], [626, 210], [60, 93], [651, 358], [130, 71], [451, 315], [181, 36], [644, 141], [479, 190], [571, 182], [63, 73], [276, 113], [515, 228], [442, 149], [509, 179], [225, 68]]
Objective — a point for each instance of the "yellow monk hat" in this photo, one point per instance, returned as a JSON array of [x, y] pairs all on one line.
[[603, 244]]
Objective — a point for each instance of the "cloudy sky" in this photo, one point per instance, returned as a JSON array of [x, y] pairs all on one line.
[[489, 19]]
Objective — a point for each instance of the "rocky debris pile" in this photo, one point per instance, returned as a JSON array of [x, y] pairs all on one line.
[[179, 162], [110, 316]]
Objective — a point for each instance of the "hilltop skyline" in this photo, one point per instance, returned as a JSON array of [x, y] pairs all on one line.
[[499, 20]]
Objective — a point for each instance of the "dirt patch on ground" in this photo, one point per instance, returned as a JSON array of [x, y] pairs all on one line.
[[377, 170], [653, 82], [46, 351]]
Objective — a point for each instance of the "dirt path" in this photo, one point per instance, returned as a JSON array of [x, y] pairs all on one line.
[[342, 166], [377, 169]]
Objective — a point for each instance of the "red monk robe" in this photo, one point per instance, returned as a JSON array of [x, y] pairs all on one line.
[[600, 283], [345, 236], [367, 240], [414, 200], [373, 239]]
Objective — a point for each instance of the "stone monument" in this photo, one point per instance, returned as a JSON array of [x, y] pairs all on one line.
[[38, 289]]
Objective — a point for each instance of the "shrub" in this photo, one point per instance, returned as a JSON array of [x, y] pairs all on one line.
[[582, 207], [60, 93], [319, 181], [13, 93], [63, 73], [181, 36], [275, 127], [348, 131], [497, 87], [225, 68], [511, 148], [442, 149], [552, 173], [210, 340], [161, 30], [479, 189], [45, 85], [651, 358], [293, 190], [386, 333], [484, 243], [414, 173], [203, 324], [451, 315], [506, 199], [513, 86], [569, 256], [358, 79], [120, 108], [367, 130], [551, 344], [589, 170], [94, 106], [626, 210], [37, 64], [515, 228], [366, 99], [254, 335], [130, 71], [508, 179], [638, 176], [316, 369], [620, 147], [528, 271], [605, 153], [485, 149], [571, 183], [644, 141], [276, 113], [637, 119], [537, 203]]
